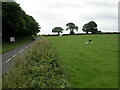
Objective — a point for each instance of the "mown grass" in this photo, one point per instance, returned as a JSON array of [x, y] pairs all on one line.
[[89, 65], [7, 46], [37, 68]]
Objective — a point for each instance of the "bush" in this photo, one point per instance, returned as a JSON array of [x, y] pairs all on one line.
[[37, 68]]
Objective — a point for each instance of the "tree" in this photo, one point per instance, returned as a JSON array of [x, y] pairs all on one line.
[[72, 27], [85, 28], [90, 27], [99, 32], [16, 22], [57, 30]]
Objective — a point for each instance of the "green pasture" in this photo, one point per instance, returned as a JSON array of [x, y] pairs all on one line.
[[88, 65]]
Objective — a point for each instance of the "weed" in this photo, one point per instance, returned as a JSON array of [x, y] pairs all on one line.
[[37, 68]]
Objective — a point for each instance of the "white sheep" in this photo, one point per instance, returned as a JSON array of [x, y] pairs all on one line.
[[90, 41]]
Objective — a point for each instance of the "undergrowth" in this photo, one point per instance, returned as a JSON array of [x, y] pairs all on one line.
[[36, 68]]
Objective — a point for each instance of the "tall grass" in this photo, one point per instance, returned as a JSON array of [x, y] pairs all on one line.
[[37, 68]]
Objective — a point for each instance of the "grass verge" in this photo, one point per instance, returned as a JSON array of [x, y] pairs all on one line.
[[8, 46], [37, 68]]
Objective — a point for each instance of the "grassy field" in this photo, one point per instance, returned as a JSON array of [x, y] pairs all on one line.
[[89, 65], [8, 46]]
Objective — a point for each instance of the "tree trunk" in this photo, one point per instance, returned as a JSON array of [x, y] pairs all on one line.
[[58, 33], [72, 32], [86, 32]]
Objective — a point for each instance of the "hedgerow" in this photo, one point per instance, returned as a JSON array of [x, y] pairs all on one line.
[[36, 68]]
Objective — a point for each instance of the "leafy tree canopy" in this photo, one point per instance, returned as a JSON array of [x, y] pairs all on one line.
[[85, 28], [57, 30], [90, 27], [16, 22], [71, 27]]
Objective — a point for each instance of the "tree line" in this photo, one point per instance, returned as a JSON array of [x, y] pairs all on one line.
[[88, 27], [16, 23]]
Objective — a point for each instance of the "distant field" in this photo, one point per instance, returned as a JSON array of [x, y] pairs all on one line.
[[89, 65]]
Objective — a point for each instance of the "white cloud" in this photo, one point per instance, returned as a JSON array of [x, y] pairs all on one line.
[[52, 13]]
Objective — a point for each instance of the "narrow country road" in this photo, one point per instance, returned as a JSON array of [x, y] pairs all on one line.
[[8, 57]]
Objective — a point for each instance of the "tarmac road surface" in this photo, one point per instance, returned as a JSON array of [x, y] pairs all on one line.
[[8, 57]]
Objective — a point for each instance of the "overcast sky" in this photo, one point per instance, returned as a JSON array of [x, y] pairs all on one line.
[[52, 13]]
